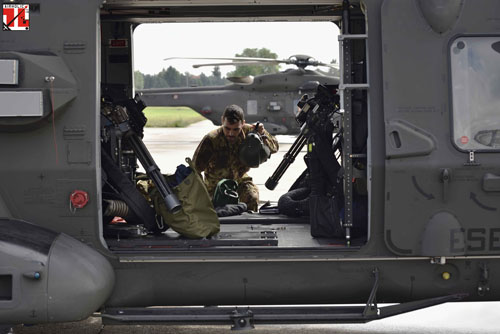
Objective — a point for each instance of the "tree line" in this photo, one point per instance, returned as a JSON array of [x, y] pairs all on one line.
[[171, 77]]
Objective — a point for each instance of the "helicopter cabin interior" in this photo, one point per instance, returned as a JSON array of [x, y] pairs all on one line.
[[342, 189]]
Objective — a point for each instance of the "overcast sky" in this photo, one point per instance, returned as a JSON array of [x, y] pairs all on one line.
[[154, 42]]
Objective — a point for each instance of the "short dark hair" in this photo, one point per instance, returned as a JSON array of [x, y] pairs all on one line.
[[233, 113]]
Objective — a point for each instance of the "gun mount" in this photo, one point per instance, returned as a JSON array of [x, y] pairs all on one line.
[[128, 127], [315, 114]]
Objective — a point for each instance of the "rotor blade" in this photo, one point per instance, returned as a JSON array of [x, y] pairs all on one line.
[[336, 66], [299, 60], [225, 58], [237, 63]]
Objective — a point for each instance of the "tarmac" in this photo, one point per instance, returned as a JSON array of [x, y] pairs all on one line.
[[169, 147], [451, 318]]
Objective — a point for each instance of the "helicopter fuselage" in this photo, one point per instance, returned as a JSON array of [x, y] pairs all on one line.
[[416, 194]]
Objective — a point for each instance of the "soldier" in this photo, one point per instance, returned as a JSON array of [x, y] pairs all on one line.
[[218, 155]]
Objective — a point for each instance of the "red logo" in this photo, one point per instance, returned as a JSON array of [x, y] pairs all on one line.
[[464, 140], [16, 17]]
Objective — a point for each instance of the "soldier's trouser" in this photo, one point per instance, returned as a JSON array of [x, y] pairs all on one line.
[[248, 193]]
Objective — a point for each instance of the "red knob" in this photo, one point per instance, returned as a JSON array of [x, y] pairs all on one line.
[[79, 198]]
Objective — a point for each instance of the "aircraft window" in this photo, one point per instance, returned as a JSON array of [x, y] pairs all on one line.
[[475, 79], [252, 107]]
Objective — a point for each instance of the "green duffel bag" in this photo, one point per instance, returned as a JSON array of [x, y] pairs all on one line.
[[197, 218], [226, 192]]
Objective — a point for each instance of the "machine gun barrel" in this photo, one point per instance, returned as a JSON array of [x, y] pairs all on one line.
[[288, 159], [153, 171]]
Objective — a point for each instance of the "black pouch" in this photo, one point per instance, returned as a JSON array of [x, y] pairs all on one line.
[[324, 217]]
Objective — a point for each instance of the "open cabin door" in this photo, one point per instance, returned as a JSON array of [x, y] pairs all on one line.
[[442, 120]]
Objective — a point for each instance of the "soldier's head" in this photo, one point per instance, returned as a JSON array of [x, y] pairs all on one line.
[[232, 122]]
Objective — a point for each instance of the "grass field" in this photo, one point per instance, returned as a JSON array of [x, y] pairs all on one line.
[[171, 117]]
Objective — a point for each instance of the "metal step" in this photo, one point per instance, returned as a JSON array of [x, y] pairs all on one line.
[[247, 317], [237, 238]]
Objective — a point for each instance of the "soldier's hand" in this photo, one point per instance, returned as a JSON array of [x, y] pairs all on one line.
[[260, 129]]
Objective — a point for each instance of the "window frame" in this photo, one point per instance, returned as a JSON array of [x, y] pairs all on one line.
[[453, 112]]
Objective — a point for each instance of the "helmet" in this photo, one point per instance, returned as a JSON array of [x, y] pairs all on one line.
[[253, 151]]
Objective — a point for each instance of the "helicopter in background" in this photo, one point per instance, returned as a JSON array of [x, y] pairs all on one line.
[[267, 98]]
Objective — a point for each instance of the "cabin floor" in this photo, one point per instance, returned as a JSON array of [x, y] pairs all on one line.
[[246, 230]]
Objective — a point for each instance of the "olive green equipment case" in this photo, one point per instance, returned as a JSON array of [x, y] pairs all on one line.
[[197, 217]]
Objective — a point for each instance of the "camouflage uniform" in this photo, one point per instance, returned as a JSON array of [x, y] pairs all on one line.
[[219, 159]]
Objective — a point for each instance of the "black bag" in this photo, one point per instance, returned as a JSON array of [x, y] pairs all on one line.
[[325, 217], [295, 203]]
